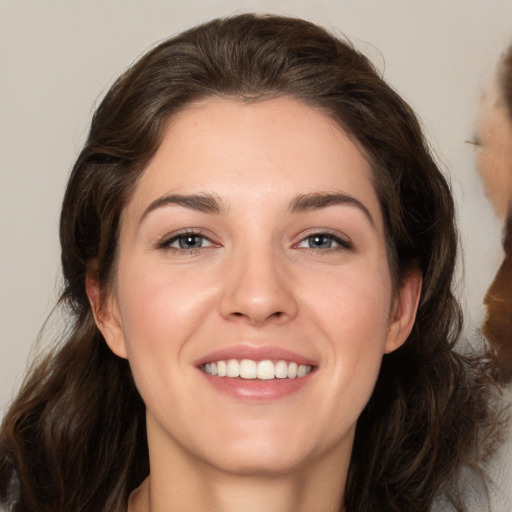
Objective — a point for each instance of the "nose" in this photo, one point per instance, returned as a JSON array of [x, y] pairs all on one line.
[[258, 289]]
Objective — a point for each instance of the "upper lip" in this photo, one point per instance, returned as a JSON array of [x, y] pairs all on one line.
[[256, 353]]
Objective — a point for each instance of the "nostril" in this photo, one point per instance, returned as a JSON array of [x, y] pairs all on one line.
[[252, 305], [276, 315]]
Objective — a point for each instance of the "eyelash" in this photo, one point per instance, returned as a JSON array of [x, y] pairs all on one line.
[[165, 244], [341, 243]]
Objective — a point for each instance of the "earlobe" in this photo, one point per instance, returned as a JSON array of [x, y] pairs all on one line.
[[404, 310], [105, 312]]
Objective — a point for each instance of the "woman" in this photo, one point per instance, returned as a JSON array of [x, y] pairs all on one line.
[[495, 166], [258, 250]]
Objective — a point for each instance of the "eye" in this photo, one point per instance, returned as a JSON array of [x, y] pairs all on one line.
[[186, 242], [323, 241]]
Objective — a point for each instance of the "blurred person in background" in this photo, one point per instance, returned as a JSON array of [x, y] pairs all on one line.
[[495, 166]]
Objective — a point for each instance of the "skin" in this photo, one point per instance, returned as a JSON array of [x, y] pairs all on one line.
[[255, 281], [494, 154]]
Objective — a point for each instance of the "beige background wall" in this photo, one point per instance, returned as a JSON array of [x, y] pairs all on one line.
[[58, 57]]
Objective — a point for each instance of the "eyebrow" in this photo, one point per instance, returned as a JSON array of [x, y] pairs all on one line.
[[209, 203], [319, 200], [206, 203]]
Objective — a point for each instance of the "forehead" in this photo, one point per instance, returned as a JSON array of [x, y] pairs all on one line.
[[256, 153]]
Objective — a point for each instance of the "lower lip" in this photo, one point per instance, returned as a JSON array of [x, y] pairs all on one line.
[[255, 389]]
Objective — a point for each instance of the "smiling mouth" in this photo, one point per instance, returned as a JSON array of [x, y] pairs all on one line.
[[256, 370]]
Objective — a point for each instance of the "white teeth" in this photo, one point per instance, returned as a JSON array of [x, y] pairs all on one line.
[[266, 370], [281, 370], [222, 368], [263, 370], [292, 370], [233, 368], [301, 371], [248, 369]]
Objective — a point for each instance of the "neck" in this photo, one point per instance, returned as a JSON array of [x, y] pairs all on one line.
[[180, 481], [231, 493]]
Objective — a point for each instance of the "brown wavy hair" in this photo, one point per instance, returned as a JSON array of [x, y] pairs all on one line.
[[74, 439]]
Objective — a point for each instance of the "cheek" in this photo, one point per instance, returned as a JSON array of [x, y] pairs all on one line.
[[496, 170], [360, 344], [355, 318], [160, 310], [492, 164]]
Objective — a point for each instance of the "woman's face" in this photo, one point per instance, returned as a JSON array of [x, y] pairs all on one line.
[[254, 241], [494, 157]]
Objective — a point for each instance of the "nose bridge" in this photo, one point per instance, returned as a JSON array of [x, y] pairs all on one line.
[[257, 286]]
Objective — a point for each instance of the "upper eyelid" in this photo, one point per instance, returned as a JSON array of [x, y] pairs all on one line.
[[322, 231], [171, 237], [165, 240], [340, 238]]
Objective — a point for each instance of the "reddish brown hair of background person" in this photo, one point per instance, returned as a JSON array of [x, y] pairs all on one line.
[[498, 324]]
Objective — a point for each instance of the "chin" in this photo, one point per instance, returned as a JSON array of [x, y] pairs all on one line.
[[265, 452], [260, 464]]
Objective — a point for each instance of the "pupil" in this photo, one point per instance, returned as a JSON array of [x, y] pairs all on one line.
[[190, 242], [321, 241]]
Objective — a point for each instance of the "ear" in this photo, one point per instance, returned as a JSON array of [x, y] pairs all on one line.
[[105, 311], [403, 311]]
